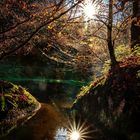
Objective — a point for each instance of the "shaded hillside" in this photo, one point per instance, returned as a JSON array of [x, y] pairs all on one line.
[[112, 102]]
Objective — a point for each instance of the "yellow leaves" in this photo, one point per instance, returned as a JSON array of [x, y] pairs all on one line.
[[83, 43], [90, 45], [59, 34], [91, 39], [45, 13], [49, 27]]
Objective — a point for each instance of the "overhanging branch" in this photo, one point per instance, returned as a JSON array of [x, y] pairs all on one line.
[[4, 53]]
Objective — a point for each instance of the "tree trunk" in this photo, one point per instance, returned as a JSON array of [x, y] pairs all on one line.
[[135, 28], [109, 35]]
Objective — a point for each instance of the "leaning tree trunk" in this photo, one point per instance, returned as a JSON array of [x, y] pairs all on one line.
[[109, 35], [135, 25]]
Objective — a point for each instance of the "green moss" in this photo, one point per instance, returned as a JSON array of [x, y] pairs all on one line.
[[92, 86], [13, 96], [85, 90], [138, 73], [16, 103]]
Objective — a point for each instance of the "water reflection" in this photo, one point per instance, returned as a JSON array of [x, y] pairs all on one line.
[[44, 81], [55, 87], [61, 134]]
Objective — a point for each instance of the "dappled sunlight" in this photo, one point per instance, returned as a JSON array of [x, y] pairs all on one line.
[[79, 59]]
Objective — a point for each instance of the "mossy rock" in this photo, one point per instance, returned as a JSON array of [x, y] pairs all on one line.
[[16, 105]]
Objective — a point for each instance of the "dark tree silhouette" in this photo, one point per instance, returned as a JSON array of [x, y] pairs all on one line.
[[109, 35], [135, 21], [135, 25]]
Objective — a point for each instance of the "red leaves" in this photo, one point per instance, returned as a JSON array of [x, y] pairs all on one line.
[[23, 4], [1, 94], [95, 83], [22, 98], [18, 4], [131, 61], [98, 80]]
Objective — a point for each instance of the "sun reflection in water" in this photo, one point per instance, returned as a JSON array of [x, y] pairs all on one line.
[[78, 130], [74, 131], [75, 135]]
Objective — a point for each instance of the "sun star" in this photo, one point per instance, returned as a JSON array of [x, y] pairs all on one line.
[[90, 9], [78, 130], [75, 135]]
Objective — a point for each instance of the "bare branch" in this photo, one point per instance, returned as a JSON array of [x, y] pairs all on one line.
[[3, 53]]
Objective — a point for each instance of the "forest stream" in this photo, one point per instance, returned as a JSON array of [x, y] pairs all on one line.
[[69, 69], [55, 95]]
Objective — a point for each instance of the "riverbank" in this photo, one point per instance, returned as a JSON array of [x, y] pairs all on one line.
[[112, 101]]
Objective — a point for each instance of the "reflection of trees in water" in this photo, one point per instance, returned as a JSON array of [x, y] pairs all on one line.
[[33, 66], [44, 80]]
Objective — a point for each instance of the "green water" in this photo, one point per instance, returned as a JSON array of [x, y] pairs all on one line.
[[44, 80], [41, 74]]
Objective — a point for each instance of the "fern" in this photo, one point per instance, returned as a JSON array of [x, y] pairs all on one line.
[[3, 104], [13, 103], [5, 99], [136, 51]]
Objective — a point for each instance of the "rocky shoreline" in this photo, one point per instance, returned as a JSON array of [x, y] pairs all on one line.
[[12, 117]]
